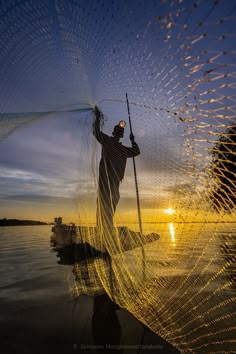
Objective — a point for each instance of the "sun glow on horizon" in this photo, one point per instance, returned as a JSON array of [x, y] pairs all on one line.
[[169, 211]]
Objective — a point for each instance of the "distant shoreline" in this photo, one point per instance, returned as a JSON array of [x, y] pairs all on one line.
[[18, 222]]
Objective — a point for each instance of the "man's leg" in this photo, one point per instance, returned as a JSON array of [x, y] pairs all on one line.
[[104, 218]]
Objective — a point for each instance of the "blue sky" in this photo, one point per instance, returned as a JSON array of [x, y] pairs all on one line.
[[50, 167], [39, 164], [174, 58]]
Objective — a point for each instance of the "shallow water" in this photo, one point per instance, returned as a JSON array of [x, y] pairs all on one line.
[[35, 289], [29, 273], [39, 314]]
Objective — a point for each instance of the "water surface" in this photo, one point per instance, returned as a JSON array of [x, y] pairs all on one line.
[[40, 312]]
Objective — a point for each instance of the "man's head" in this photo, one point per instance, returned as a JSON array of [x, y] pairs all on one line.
[[118, 131]]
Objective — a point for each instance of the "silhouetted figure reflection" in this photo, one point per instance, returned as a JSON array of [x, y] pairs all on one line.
[[105, 324], [111, 172], [108, 332], [74, 253]]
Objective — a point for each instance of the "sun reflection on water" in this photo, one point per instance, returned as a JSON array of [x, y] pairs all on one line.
[[172, 233]]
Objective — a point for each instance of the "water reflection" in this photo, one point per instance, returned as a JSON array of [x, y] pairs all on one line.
[[105, 324], [228, 251], [85, 259], [172, 233], [111, 326], [74, 253]]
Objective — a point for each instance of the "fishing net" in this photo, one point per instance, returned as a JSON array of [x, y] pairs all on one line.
[[176, 61]]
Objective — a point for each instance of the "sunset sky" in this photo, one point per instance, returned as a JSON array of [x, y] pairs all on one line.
[[173, 58], [47, 169]]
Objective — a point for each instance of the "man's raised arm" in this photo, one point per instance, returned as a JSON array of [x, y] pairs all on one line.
[[96, 124]]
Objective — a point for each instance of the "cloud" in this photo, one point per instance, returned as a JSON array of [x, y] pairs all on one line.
[[34, 198], [54, 162], [48, 158], [21, 175], [179, 188], [130, 203]]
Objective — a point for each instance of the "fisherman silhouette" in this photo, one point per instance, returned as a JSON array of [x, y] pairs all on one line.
[[111, 172]]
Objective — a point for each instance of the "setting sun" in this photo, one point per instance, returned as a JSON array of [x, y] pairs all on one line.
[[169, 211]]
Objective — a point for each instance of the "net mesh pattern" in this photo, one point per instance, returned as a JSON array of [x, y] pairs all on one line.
[[176, 60]]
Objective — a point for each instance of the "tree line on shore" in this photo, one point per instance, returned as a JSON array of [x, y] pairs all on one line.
[[223, 171], [17, 222]]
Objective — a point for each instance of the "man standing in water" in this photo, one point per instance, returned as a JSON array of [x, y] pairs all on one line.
[[111, 172]]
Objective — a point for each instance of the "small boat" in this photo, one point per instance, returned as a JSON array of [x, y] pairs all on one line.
[[72, 234]]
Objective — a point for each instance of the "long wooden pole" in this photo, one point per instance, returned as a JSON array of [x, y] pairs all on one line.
[[137, 197], [135, 174]]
